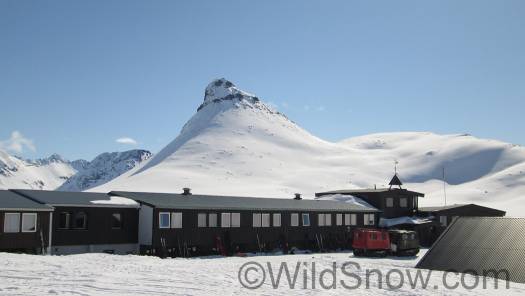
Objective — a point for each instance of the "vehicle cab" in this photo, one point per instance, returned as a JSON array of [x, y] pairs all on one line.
[[370, 242]]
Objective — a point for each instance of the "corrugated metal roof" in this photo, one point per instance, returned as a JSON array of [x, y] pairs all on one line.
[[480, 244], [376, 190], [73, 199], [12, 201], [180, 201]]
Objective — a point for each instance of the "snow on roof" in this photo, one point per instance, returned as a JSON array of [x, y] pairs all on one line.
[[383, 222], [116, 200], [348, 199]]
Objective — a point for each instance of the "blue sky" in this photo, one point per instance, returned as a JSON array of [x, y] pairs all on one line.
[[75, 76]]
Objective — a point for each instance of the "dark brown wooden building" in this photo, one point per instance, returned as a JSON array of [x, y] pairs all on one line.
[[187, 224], [84, 222], [392, 202], [24, 224]]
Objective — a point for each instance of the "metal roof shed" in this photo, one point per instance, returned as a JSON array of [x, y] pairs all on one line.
[[480, 244]]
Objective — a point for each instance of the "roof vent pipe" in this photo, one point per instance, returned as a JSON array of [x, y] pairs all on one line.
[[186, 191], [297, 196]]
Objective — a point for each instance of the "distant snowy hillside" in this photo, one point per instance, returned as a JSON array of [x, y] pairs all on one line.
[[104, 168], [52, 172], [235, 144], [47, 173]]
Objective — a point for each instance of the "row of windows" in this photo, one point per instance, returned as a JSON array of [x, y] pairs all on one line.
[[403, 202], [174, 219], [79, 220], [12, 222]]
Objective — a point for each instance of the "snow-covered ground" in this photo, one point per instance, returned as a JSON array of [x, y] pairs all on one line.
[[237, 145], [102, 274]]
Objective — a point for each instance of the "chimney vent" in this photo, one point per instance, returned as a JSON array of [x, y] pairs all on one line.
[[297, 196], [186, 191]]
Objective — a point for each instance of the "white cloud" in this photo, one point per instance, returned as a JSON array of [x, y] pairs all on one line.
[[306, 107], [17, 142], [321, 108], [126, 140]]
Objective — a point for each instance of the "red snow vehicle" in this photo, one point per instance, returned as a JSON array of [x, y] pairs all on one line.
[[371, 242]]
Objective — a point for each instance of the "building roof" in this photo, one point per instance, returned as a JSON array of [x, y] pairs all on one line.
[[193, 201], [10, 201], [456, 206], [76, 199], [480, 244], [370, 191]]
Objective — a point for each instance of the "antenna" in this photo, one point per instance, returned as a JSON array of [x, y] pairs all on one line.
[[444, 186]]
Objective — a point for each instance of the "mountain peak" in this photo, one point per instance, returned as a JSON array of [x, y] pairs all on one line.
[[224, 90]]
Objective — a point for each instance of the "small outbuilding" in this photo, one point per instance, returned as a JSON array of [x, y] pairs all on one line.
[[24, 224], [485, 246]]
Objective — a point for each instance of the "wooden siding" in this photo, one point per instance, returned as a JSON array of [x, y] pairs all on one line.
[[99, 230], [247, 238], [30, 242]]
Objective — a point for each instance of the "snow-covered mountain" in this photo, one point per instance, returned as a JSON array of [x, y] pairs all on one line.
[[235, 144], [47, 173], [54, 171], [104, 168]]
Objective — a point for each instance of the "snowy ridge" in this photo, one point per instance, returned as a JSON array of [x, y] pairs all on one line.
[[236, 145], [54, 171]]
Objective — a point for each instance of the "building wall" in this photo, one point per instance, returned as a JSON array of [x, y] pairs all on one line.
[[246, 238], [99, 230], [378, 200], [25, 241]]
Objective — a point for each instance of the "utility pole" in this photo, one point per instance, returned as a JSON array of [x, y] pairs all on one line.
[[444, 186]]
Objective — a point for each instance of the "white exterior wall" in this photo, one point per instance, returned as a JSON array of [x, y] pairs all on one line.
[[145, 225]]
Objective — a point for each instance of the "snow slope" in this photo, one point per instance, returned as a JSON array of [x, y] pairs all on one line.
[[54, 171], [102, 274], [48, 173], [235, 144]]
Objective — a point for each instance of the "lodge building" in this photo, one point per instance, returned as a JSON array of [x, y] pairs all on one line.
[[186, 224], [178, 224]]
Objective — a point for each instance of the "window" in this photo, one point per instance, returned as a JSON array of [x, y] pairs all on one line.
[[164, 220], [116, 221], [236, 220], [353, 220], [212, 220], [338, 219], [443, 220], [403, 202], [373, 236], [29, 222], [256, 220], [176, 220], [328, 219], [201, 220], [64, 220], [294, 219], [276, 220], [80, 221], [11, 222], [347, 219], [265, 220], [369, 219], [306, 219], [320, 219], [225, 220], [389, 202]]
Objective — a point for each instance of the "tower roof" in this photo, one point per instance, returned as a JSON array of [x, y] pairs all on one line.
[[395, 181]]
